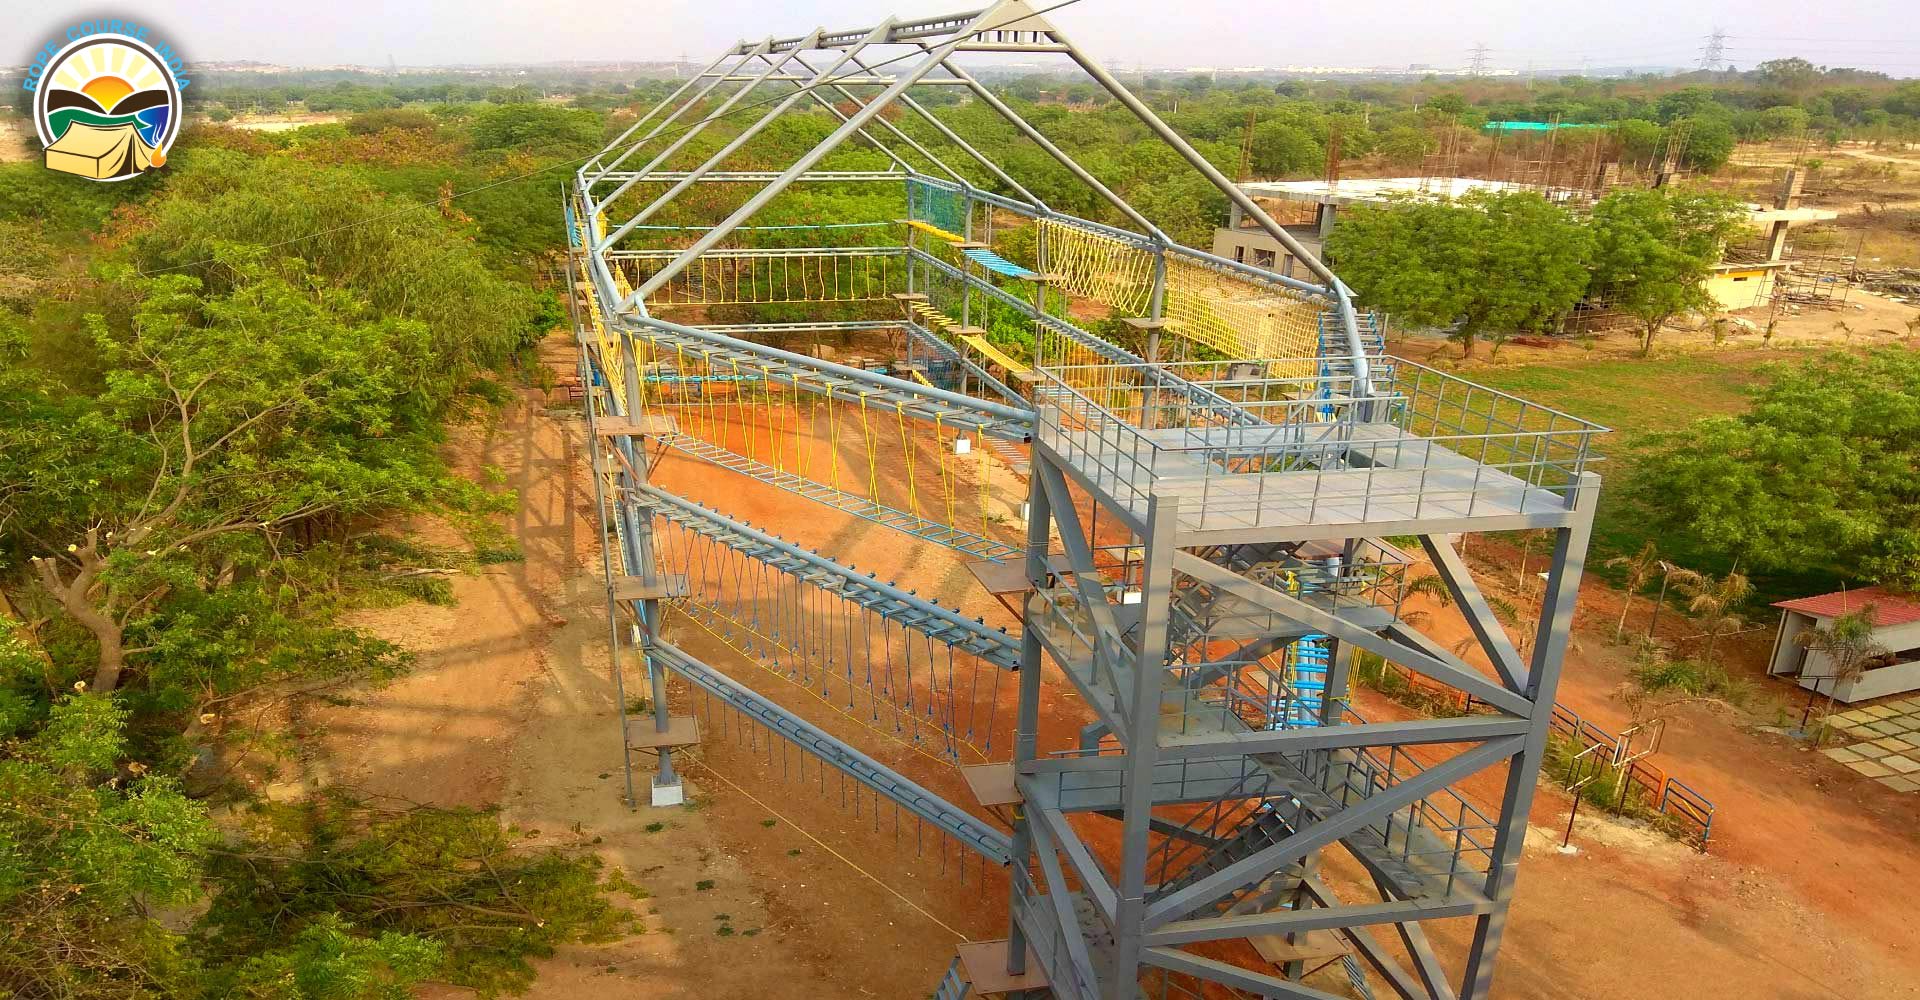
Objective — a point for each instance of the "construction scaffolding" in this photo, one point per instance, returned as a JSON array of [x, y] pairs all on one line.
[[1203, 540]]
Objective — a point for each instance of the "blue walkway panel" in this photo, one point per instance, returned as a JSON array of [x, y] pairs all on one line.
[[997, 264]]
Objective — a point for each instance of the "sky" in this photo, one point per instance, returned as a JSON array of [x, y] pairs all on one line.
[[1519, 34]]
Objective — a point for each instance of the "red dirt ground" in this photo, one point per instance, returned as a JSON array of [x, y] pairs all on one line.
[[1803, 895]]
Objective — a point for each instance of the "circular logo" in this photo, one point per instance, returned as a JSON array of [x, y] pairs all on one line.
[[107, 108]]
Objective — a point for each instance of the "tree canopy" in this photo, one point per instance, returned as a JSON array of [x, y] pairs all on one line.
[[1485, 263], [1823, 471], [1654, 249]]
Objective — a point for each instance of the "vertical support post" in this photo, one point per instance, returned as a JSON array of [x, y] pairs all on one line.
[[600, 509], [1157, 303], [1549, 652], [1027, 725], [666, 790], [1142, 741]]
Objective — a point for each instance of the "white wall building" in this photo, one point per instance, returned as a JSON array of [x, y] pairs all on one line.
[[1896, 622]]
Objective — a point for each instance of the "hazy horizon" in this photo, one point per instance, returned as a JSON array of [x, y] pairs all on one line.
[[1365, 33]]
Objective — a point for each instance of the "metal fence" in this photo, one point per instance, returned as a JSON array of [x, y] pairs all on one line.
[[1659, 791]]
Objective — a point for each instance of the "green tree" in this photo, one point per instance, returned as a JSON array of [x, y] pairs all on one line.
[[1709, 144], [1823, 472], [1280, 149], [1639, 139], [1791, 73], [89, 842], [1653, 251], [1783, 120], [1405, 146], [540, 126], [1510, 261], [238, 415]]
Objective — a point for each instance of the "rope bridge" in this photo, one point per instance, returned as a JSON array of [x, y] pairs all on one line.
[[1240, 319], [896, 665], [864, 456], [1099, 267], [997, 264], [762, 277]]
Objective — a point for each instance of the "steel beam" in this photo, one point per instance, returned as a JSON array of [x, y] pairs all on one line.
[[886, 599], [746, 135], [800, 166], [1349, 820]]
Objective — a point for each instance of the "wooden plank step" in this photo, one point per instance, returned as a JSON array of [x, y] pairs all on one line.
[[1308, 947], [682, 731], [1000, 578], [647, 425], [984, 963], [992, 784], [658, 588]]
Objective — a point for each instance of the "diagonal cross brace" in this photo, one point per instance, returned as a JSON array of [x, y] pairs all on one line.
[[746, 135], [1448, 670], [1347, 822], [806, 162], [1453, 571]]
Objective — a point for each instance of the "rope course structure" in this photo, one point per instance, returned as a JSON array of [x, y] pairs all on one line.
[[938, 211], [1191, 529]]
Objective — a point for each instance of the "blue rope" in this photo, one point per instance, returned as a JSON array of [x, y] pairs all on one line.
[[997, 264]]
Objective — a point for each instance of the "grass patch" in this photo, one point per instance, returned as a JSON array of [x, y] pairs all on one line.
[[1636, 398], [1605, 791], [1692, 678]]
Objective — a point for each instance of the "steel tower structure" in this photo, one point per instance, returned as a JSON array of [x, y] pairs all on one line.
[[1207, 543]]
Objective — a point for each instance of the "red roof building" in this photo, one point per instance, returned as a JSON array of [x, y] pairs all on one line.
[[1896, 631], [1888, 608]]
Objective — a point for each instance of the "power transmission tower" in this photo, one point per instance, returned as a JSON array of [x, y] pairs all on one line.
[[1478, 66], [1713, 55]]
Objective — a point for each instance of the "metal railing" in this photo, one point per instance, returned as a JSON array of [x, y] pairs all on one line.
[[1658, 791], [1438, 447]]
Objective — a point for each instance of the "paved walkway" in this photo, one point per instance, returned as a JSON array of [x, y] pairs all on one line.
[[1889, 751]]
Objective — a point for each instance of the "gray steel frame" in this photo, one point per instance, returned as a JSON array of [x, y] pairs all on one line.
[[1321, 788]]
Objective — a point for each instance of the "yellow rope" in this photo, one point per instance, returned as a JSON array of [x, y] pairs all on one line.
[[833, 439], [873, 454], [946, 465], [1099, 267], [913, 487], [766, 404], [986, 473]]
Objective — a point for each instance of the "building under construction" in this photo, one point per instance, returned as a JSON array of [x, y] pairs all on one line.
[[1218, 501]]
